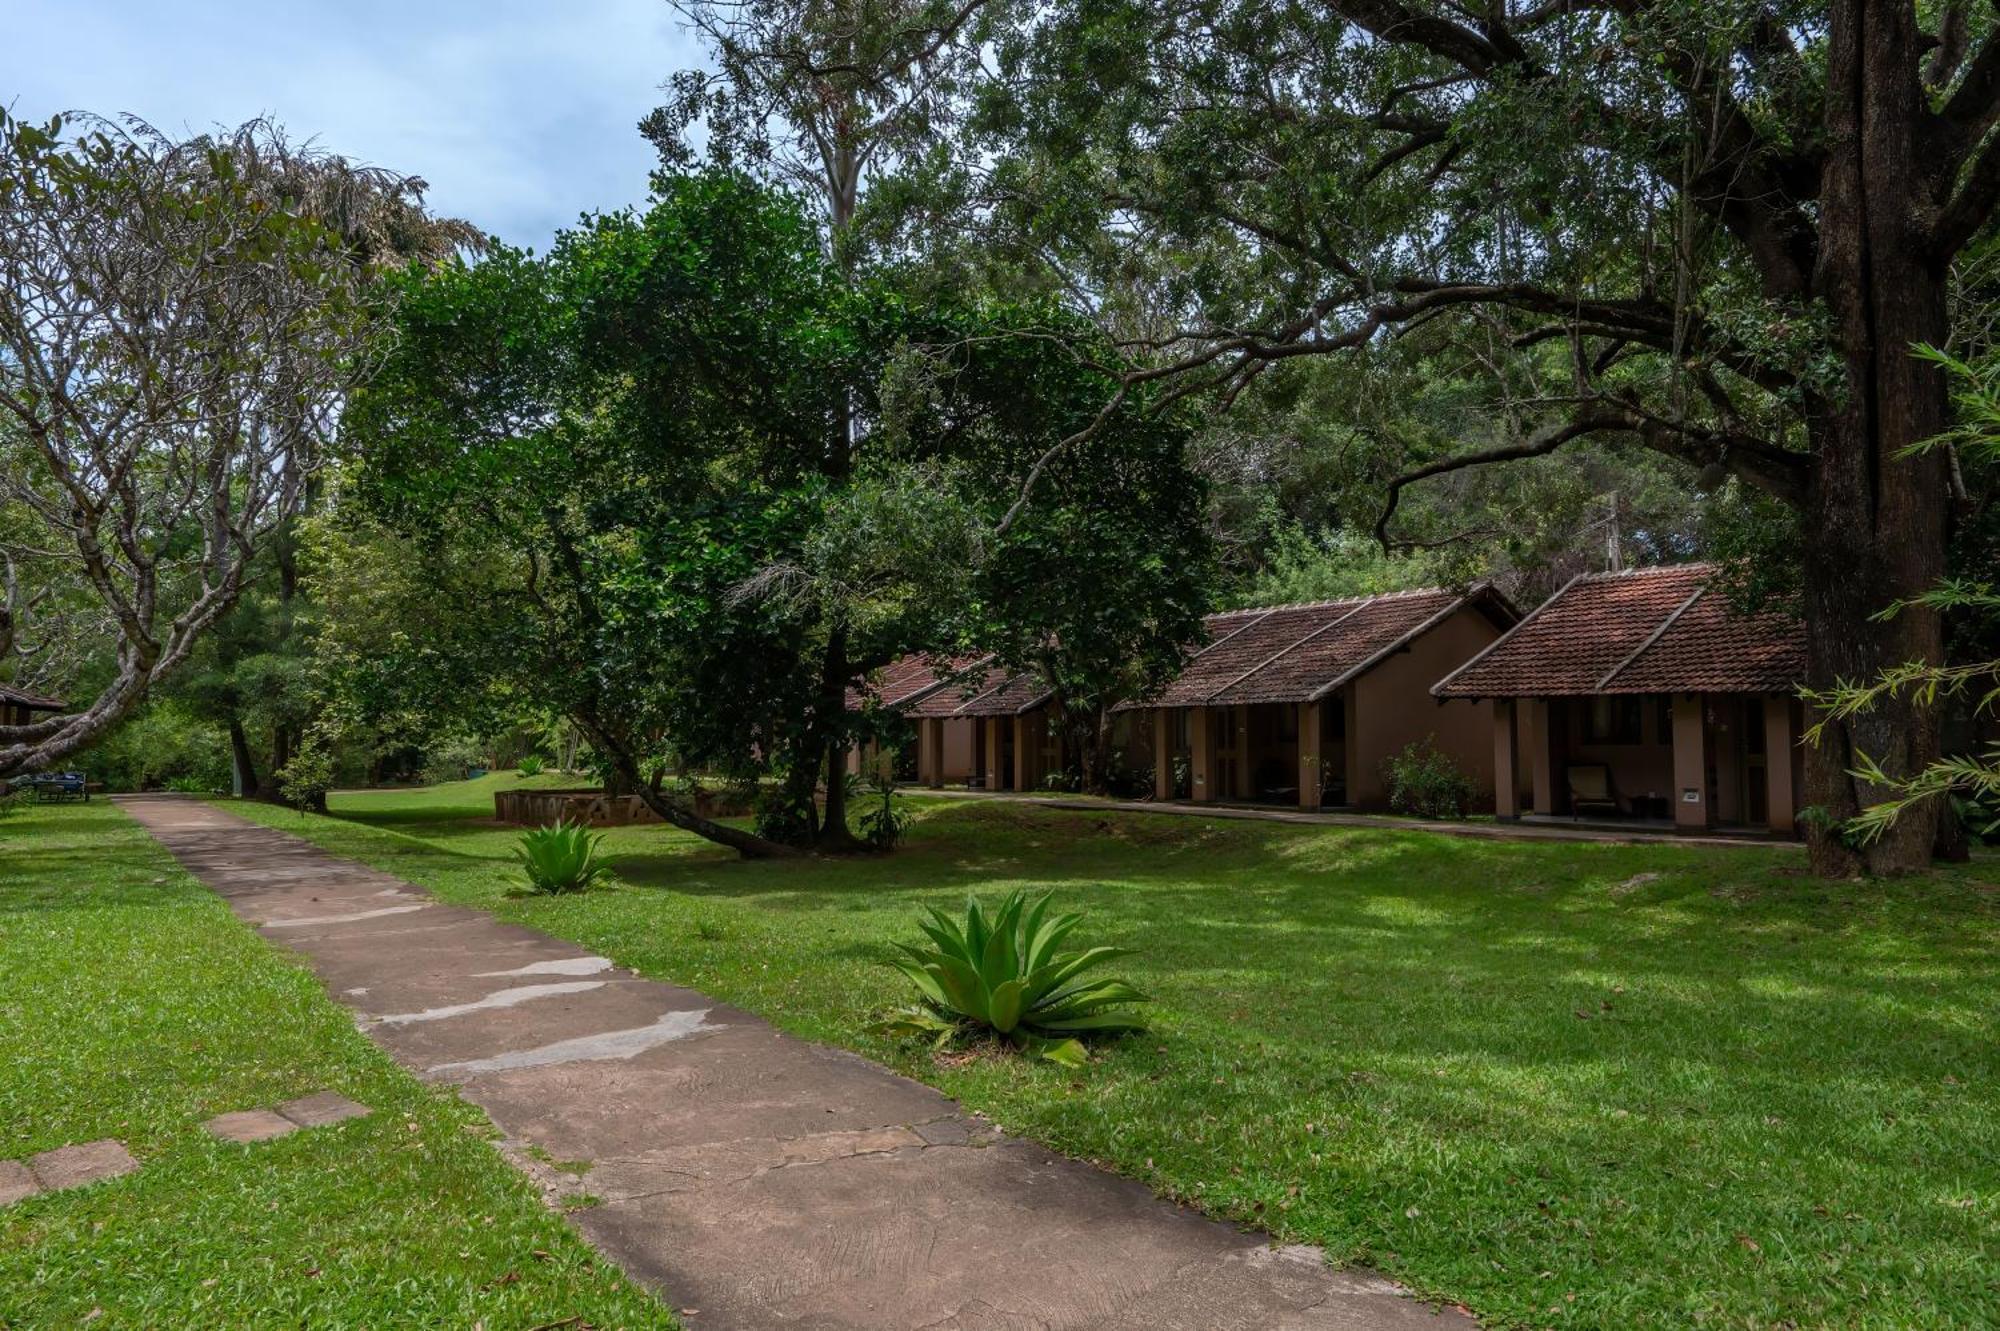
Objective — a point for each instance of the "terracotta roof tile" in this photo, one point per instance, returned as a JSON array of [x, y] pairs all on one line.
[[1317, 663], [909, 677], [1653, 630], [1709, 649], [990, 691], [1294, 653]]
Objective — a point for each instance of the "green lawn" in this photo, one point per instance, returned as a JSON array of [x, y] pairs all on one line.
[[1565, 1084], [135, 1006]]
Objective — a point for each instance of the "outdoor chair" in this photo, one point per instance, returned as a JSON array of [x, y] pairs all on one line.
[[1591, 789]]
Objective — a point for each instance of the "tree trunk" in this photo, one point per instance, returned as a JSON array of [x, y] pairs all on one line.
[[281, 754], [625, 771], [1875, 518], [246, 764], [834, 833]]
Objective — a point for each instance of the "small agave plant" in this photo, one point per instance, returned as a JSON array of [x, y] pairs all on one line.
[[1004, 975], [561, 858]]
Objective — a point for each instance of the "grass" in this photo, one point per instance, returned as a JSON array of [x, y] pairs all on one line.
[[1567, 1085], [135, 1006]]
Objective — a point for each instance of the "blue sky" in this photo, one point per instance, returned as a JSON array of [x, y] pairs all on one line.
[[520, 114]]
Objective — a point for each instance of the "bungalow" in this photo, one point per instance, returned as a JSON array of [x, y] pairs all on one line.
[[977, 721], [988, 726], [1305, 703], [1644, 694]]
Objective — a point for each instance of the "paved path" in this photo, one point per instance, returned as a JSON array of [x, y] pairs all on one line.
[[761, 1180], [1524, 830]]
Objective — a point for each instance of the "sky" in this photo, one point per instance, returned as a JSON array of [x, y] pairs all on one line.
[[520, 115]]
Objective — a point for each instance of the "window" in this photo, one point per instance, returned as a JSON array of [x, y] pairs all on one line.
[[1611, 720]]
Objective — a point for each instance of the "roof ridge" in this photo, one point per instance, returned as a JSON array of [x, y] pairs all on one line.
[[1638, 570], [1658, 632], [1335, 600], [1288, 648], [1383, 653], [1523, 622]]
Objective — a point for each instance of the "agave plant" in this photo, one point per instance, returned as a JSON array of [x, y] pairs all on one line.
[[561, 857], [1004, 975], [532, 765]]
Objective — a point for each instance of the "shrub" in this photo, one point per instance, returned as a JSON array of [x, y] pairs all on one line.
[[451, 759], [305, 780], [1426, 783], [1005, 976], [561, 858], [530, 766], [882, 826]]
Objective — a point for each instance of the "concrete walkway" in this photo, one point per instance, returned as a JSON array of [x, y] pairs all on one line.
[[756, 1179], [1528, 829]]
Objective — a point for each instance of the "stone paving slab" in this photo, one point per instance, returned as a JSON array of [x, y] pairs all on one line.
[[761, 1180], [250, 1125], [16, 1182], [86, 1162], [322, 1109]]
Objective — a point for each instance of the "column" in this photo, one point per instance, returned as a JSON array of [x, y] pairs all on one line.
[[1201, 754], [1163, 754], [1506, 798], [1778, 741], [1358, 795], [995, 777], [1239, 744], [1537, 732], [930, 751], [1309, 755], [1690, 764]]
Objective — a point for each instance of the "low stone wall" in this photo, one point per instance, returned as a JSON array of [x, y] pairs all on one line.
[[594, 808]]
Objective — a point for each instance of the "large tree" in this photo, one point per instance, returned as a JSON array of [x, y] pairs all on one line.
[[1737, 218], [616, 459], [826, 98], [173, 343]]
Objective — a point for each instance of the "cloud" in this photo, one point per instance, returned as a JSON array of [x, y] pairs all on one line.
[[521, 115]]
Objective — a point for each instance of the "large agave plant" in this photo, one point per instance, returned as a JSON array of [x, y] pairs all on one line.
[[561, 857], [1004, 975]]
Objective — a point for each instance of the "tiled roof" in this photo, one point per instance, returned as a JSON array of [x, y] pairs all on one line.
[[1297, 653], [33, 701], [993, 691], [1652, 630], [1710, 649], [1322, 661], [908, 678]]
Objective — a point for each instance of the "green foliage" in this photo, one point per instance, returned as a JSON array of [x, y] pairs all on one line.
[[561, 858], [305, 779], [1424, 782], [1005, 976], [682, 484], [531, 765], [885, 821], [450, 758], [1332, 566], [161, 743]]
